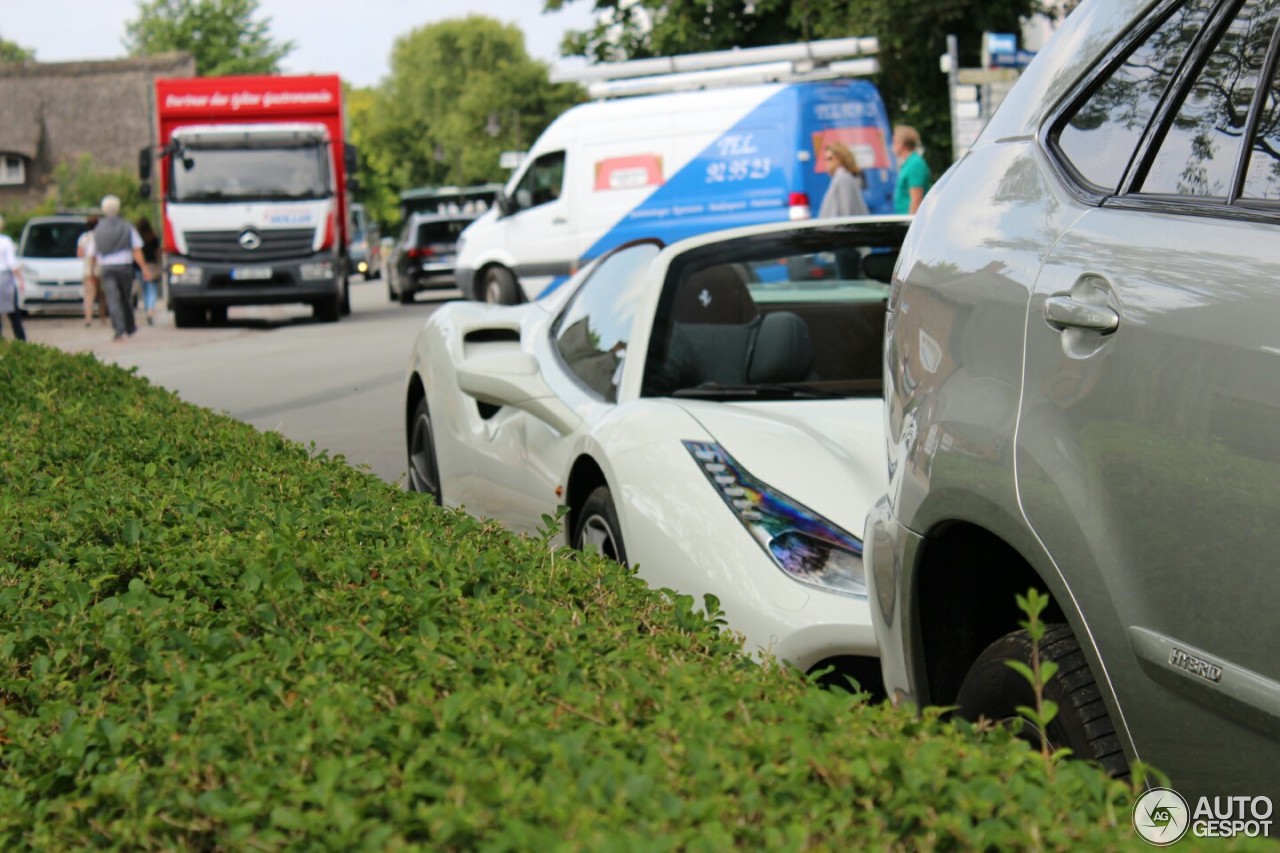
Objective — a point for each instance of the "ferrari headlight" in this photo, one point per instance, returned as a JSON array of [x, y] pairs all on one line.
[[806, 546]]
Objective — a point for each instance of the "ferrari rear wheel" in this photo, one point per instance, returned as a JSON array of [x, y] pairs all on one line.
[[424, 473], [597, 526]]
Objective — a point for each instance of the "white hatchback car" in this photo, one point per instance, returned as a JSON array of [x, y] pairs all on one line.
[[708, 412], [47, 255]]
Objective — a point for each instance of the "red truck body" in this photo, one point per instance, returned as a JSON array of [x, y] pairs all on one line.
[[223, 102]]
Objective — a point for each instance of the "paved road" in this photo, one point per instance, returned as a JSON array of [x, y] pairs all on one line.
[[337, 384]]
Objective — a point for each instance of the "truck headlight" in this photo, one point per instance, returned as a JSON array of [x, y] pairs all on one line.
[[806, 546], [180, 273], [320, 269]]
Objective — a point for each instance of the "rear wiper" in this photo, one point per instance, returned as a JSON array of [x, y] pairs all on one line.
[[713, 391]]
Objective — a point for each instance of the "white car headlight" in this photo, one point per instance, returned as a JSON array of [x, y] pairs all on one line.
[[806, 546]]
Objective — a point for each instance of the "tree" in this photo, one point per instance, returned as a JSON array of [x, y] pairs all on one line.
[[222, 35], [459, 93], [912, 38], [14, 52]]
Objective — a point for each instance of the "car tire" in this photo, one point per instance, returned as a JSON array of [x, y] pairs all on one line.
[[218, 315], [188, 316], [596, 525], [406, 296], [499, 287], [329, 310], [344, 305], [391, 294], [994, 690], [424, 472]]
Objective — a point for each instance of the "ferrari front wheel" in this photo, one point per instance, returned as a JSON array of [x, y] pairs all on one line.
[[597, 527], [424, 473]]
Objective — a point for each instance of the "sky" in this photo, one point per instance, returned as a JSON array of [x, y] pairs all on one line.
[[351, 38]]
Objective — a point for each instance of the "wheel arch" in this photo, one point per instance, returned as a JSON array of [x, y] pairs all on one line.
[[966, 583], [415, 393], [585, 476]]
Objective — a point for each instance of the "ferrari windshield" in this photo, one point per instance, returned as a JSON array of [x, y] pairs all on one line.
[[250, 174], [790, 315]]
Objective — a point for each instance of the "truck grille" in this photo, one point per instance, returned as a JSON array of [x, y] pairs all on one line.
[[224, 246]]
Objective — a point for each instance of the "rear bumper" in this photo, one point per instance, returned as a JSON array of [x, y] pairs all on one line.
[[889, 549]]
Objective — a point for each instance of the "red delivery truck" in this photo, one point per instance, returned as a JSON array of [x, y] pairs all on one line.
[[253, 182]]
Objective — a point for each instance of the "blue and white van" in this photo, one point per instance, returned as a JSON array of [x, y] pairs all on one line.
[[670, 165]]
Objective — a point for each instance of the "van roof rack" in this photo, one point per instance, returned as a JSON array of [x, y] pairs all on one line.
[[811, 60]]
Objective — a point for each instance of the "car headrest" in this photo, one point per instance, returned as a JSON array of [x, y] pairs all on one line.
[[783, 351], [714, 296], [878, 266]]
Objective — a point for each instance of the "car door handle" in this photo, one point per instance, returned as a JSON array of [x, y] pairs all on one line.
[[559, 220], [1064, 312]]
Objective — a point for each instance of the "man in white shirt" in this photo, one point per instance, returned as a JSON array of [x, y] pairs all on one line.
[[118, 246]]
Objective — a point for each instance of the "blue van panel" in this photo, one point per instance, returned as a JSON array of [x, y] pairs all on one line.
[[747, 175]]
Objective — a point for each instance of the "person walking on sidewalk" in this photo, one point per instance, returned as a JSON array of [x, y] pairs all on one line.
[[93, 292], [11, 284], [119, 247]]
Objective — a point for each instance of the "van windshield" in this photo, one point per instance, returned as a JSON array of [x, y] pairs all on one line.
[[249, 174], [50, 239]]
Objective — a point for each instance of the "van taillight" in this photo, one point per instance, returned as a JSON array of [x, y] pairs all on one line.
[[799, 204], [421, 253]]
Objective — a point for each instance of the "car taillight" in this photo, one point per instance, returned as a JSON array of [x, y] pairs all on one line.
[[799, 204], [421, 253]]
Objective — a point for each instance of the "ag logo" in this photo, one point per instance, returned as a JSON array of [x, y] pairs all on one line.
[[1161, 816]]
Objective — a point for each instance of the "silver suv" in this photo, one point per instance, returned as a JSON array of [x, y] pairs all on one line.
[[1082, 379]]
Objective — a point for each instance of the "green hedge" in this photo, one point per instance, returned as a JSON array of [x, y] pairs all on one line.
[[216, 638]]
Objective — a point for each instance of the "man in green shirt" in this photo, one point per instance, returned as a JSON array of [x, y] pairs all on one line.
[[913, 171]]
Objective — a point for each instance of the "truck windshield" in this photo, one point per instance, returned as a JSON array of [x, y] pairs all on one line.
[[218, 174]]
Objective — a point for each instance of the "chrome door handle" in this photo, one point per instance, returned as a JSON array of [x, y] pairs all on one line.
[[1064, 312]]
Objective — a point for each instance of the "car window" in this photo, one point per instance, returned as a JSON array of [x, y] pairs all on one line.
[[774, 318], [1099, 137], [543, 181], [51, 239], [1199, 152], [441, 231], [591, 333]]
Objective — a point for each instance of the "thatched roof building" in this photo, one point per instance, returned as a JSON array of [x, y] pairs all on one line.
[[54, 112]]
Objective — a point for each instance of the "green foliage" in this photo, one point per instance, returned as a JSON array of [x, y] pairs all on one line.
[[912, 37], [222, 35], [80, 186], [217, 639], [1040, 672], [378, 192], [459, 93], [14, 52]]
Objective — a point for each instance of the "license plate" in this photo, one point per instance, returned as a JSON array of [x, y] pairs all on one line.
[[250, 273]]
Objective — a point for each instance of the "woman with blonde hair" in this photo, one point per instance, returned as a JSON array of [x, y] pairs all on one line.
[[844, 195]]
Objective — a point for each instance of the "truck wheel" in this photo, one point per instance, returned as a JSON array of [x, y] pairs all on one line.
[[188, 316], [499, 287], [345, 306], [329, 310], [994, 690], [218, 315]]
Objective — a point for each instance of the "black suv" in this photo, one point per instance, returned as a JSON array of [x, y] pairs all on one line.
[[423, 256]]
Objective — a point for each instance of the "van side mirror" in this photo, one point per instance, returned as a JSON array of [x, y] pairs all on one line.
[[505, 205], [144, 164]]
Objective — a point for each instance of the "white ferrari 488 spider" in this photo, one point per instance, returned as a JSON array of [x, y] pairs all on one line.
[[709, 412]]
